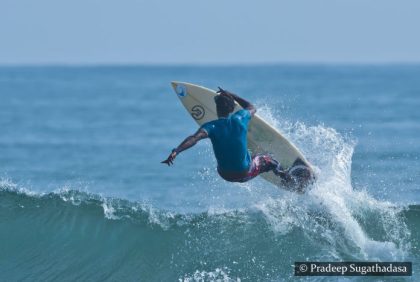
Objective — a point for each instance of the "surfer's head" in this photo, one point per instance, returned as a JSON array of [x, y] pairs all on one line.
[[225, 104]]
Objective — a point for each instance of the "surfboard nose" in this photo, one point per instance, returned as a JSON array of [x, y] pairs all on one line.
[[180, 88]]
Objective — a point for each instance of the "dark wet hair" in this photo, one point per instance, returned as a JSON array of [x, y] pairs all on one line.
[[224, 104]]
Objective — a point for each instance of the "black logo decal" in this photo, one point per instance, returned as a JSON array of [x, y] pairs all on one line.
[[197, 112]]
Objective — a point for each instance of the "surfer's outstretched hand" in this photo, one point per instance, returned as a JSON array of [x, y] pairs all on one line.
[[170, 160]]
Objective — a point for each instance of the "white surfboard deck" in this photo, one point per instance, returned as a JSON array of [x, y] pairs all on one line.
[[262, 137]]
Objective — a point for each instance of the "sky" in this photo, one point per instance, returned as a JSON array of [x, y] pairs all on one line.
[[209, 31]]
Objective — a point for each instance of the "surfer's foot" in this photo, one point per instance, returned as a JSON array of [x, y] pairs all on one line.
[[276, 168], [281, 172], [284, 175], [301, 176]]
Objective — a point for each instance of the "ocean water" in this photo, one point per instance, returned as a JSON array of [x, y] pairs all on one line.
[[83, 195]]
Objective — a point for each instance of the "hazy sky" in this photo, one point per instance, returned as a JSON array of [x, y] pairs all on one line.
[[208, 31]]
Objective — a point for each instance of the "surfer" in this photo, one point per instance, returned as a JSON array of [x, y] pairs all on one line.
[[228, 135]]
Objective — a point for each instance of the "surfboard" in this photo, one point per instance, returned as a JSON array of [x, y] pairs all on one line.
[[262, 137]]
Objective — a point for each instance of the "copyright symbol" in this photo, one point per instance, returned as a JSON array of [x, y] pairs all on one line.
[[303, 268]]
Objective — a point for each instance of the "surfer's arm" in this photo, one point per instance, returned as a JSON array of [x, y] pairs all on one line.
[[241, 101], [191, 140], [186, 144]]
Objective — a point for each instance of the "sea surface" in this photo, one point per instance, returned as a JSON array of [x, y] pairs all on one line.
[[84, 197]]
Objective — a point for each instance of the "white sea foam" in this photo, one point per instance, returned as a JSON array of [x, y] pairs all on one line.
[[334, 197], [109, 210], [218, 275], [6, 184]]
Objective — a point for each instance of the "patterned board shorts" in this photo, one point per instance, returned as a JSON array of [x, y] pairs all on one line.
[[259, 164]]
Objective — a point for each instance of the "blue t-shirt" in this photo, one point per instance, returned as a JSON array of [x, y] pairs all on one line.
[[228, 136]]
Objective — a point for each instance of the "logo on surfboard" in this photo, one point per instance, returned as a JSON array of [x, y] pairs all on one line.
[[181, 90], [197, 112]]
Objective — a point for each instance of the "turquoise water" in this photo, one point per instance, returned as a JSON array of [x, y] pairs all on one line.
[[83, 195]]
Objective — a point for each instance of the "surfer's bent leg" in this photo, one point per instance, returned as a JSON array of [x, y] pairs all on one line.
[[262, 163]]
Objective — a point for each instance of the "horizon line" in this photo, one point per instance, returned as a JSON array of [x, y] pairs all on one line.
[[219, 64]]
